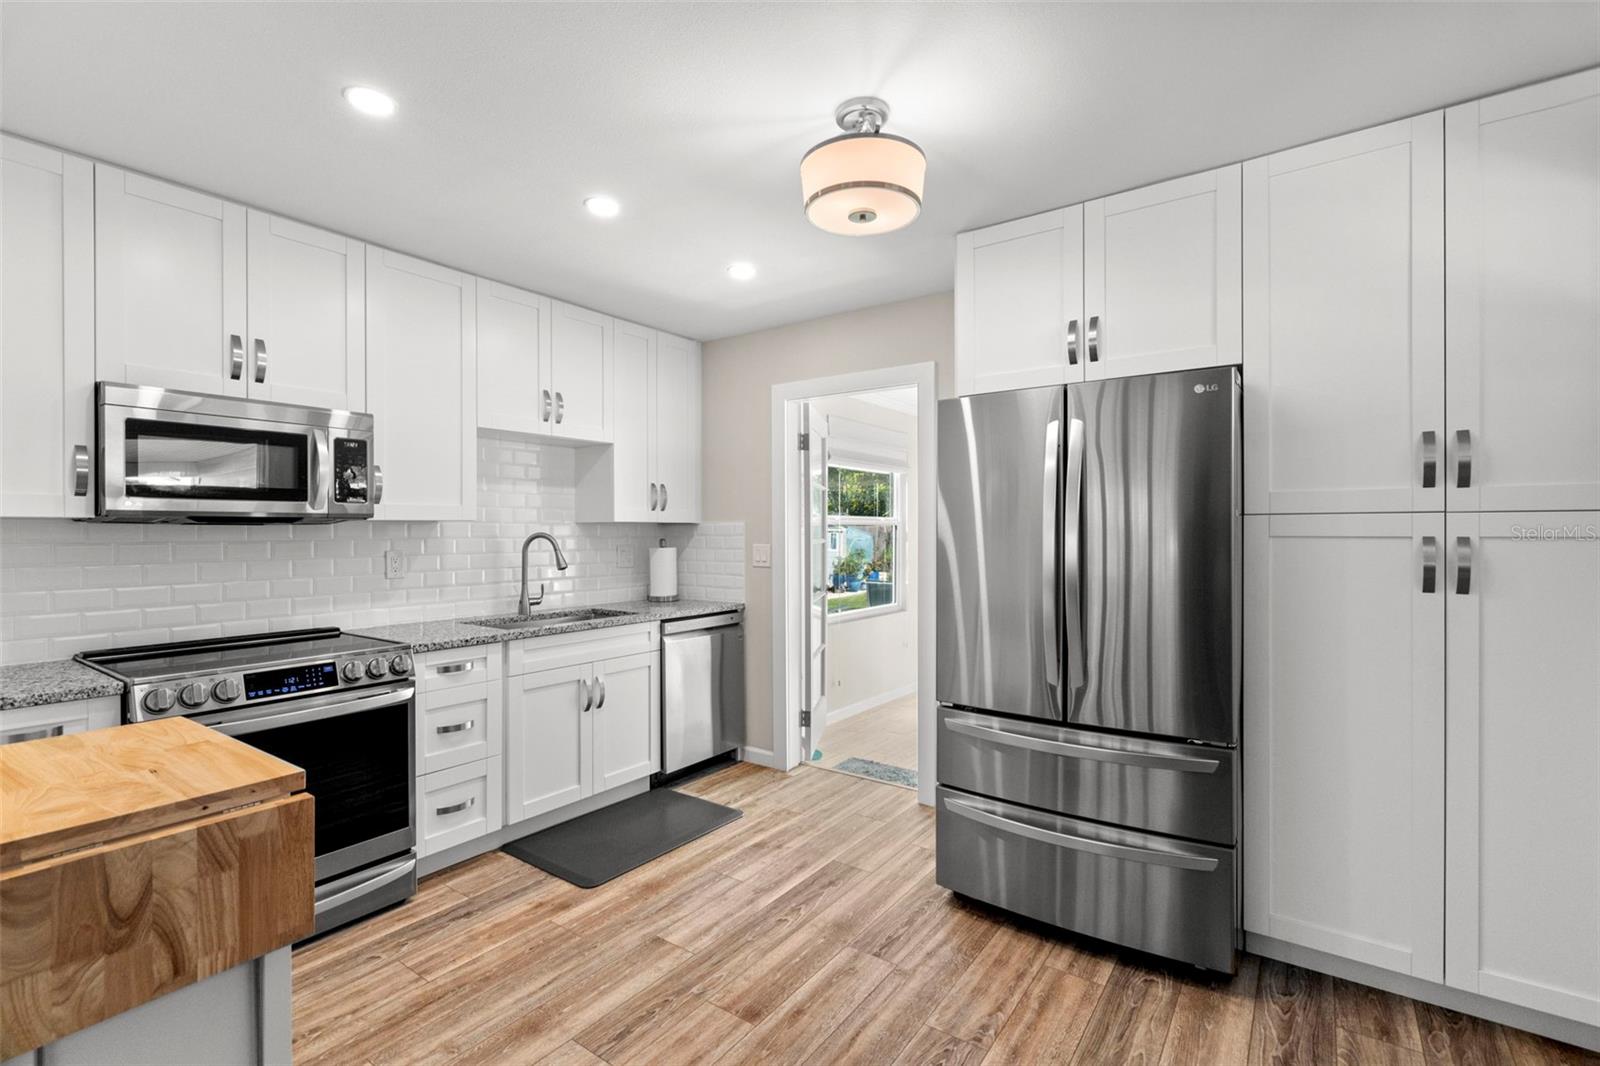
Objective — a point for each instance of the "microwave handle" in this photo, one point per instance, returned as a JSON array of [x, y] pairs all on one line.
[[322, 472], [377, 484]]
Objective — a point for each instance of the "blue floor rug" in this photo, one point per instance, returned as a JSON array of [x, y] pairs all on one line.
[[879, 771]]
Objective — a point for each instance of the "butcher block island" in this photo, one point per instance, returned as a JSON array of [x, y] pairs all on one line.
[[152, 878]]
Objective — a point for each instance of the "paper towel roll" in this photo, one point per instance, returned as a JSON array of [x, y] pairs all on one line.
[[663, 573]]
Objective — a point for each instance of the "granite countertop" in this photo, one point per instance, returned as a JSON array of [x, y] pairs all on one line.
[[58, 681], [461, 633]]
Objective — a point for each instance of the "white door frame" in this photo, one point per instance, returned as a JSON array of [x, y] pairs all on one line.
[[786, 632]]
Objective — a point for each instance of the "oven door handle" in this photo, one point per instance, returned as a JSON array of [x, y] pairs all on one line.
[[311, 710]]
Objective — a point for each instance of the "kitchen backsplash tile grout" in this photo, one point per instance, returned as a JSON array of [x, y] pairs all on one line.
[[68, 586]]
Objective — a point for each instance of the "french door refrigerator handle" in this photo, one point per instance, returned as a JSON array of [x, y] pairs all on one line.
[[1049, 588], [1180, 860], [1072, 555], [994, 734]]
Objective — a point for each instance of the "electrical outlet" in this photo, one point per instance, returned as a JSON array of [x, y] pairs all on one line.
[[761, 555], [394, 564], [625, 557]]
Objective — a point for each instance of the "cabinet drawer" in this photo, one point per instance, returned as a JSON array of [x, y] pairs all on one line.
[[1158, 785], [458, 805], [458, 726], [1170, 897], [458, 667], [580, 648]]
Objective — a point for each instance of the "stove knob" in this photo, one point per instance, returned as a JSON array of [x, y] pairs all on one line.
[[351, 671], [193, 695], [375, 668], [400, 664], [158, 700], [226, 691]]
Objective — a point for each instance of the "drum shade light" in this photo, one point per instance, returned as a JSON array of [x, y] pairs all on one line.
[[865, 181]]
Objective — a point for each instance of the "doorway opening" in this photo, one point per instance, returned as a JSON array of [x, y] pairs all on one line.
[[855, 585]]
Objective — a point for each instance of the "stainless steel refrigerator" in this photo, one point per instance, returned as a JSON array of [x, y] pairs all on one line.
[[1088, 658]]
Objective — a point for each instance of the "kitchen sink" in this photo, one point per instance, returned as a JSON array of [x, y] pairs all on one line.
[[540, 619]]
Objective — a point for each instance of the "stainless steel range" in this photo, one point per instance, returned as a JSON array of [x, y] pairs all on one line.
[[340, 706]]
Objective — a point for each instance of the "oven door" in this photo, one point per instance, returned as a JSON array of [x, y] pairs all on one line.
[[356, 749]]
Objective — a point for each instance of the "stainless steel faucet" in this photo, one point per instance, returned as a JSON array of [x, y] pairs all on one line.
[[525, 605]]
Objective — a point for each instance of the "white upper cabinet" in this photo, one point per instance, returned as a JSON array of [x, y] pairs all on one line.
[[575, 396], [169, 285], [1344, 736], [46, 332], [1344, 323], [1523, 682], [307, 342], [1162, 276], [675, 429], [1522, 254], [422, 386], [513, 344], [1019, 303]]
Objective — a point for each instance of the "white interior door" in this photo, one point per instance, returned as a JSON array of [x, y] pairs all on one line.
[[814, 516]]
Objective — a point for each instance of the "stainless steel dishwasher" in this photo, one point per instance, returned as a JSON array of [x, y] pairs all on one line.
[[702, 688]]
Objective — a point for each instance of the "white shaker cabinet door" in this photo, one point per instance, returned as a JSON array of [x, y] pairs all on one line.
[[513, 341], [626, 709], [1344, 736], [580, 374], [1522, 847], [169, 285], [1162, 277], [422, 386], [1522, 255], [675, 428], [46, 332], [634, 494], [1019, 303], [308, 318], [1344, 323], [549, 740]]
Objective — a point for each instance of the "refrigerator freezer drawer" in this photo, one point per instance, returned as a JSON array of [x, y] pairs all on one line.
[[1168, 897], [1180, 789]]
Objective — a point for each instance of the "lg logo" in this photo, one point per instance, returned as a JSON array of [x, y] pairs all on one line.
[[1201, 390]]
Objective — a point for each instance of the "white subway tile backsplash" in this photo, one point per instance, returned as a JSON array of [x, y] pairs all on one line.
[[67, 587]]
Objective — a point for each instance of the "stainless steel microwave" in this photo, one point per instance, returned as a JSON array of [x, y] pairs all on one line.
[[172, 456]]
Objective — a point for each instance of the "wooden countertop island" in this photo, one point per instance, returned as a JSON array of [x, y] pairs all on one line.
[[138, 861]]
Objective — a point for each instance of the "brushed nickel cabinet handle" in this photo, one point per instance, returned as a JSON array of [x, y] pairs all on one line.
[[602, 683], [1094, 338], [235, 357], [1463, 458], [1430, 458], [80, 470], [653, 496], [546, 416], [455, 808], [456, 668], [1430, 564], [588, 696], [261, 361], [1072, 342], [23, 736], [459, 727], [663, 495], [1463, 566], [561, 408]]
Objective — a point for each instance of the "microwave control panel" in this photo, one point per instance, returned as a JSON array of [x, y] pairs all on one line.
[[350, 469]]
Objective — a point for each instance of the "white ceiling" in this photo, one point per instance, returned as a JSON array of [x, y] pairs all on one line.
[[695, 117]]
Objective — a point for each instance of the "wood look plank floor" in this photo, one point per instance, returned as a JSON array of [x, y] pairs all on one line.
[[811, 931], [886, 734]]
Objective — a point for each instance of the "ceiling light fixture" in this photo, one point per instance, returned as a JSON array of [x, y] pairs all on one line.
[[864, 181], [603, 207], [370, 101], [741, 271]]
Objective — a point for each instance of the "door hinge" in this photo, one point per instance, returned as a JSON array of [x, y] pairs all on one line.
[[805, 719], [803, 441]]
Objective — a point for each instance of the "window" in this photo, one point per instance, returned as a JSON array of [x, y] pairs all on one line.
[[864, 531]]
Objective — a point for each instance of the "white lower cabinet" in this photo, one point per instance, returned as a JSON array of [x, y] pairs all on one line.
[[625, 716], [458, 725], [1523, 802], [1344, 736], [21, 724], [458, 805], [547, 741]]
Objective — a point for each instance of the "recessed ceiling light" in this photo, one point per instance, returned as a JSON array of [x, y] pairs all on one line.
[[603, 207], [370, 101], [741, 271]]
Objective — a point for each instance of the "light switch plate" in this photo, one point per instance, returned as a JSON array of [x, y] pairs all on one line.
[[761, 555]]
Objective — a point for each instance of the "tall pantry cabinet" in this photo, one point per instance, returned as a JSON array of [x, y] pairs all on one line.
[[1422, 546]]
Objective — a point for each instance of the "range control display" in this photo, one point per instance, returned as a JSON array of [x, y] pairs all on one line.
[[349, 470], [288, 682]]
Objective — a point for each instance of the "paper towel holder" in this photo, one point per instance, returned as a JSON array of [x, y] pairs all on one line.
[[663, 599]]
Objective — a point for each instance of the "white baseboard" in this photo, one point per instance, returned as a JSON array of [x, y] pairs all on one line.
[[759, 756], [839, 714], [1518, 1017]]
